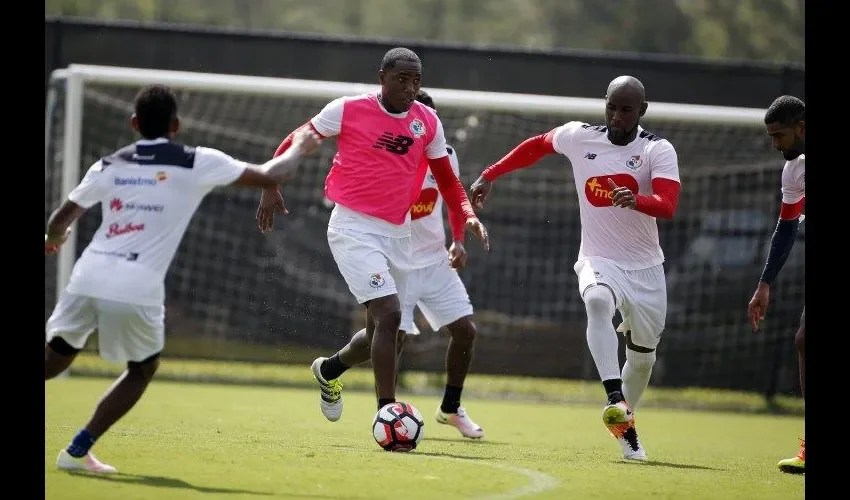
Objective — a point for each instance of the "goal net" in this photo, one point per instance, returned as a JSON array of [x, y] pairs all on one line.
[[236, 294]]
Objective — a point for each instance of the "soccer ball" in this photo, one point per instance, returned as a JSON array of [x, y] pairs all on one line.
[[398, 427]]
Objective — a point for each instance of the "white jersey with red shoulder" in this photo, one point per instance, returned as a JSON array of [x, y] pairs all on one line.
[[427, 231], [626, 237], [794, 180], [148, 193]]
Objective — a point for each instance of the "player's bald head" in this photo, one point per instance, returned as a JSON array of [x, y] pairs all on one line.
[[626, 86]]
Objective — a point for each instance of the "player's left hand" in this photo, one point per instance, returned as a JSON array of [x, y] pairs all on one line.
[[475, 226], [51, 245], [271, 201], [757, 307], [622, 196], [457, 255]]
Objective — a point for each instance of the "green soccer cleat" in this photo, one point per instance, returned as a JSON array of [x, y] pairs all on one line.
[[795, 465]]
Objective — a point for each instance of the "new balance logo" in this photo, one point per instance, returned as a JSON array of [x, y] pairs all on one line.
[[590, 156], [399, 144]]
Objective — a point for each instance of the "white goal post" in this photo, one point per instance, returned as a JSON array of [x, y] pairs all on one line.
[[73, 81]]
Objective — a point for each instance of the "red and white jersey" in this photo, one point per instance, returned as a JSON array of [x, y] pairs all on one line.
[[427, 232], [794, 180], [626, 237]]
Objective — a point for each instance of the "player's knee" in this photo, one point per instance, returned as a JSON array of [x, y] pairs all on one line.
[[386, 312], [643, 359], [463, 330], [800, 339], [599, 302], [145, 368]]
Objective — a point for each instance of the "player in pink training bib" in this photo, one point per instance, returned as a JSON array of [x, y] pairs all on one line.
[[386, 141], [785, 121], [625, 177], [433, 285]]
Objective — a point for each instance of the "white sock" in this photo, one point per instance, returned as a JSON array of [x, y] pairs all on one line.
[[636, 373], [601, 337]]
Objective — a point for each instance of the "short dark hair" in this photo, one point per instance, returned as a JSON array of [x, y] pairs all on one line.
[[398, 54], [785, 110], [426, 99], [156, 107]]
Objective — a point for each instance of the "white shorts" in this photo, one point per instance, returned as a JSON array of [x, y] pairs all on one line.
[[125, 332], [440, 295], [640, 295], [372, 265]]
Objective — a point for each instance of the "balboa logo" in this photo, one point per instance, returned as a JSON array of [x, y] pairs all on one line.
[[141, 181], [116, 229], [118, 205], [424, 206], [599, 194]]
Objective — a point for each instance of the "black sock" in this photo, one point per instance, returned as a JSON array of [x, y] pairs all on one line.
[[385, 401], [451, 399], [614, 390], [332, 368]]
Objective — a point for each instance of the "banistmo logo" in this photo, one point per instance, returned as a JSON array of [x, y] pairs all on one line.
[[116, 229], [399, 144], [160, 176]]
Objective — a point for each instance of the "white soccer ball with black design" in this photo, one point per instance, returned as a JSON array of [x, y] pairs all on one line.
[[398, 427]]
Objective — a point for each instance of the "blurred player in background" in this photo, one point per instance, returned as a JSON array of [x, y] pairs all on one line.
[[785, 121], [148, 193], [386, 141], [434, 285], [626, 177]]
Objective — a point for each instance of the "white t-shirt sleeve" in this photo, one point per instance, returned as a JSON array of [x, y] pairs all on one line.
[[664, 162], [453, 160], [437, 147], [329, 120], [93, 188], [215, 168], [562, 140], [793, 183]]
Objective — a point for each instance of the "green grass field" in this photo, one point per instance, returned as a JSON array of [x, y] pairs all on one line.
[[203, 440]]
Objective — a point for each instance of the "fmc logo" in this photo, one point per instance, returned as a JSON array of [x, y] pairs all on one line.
[[424, 206], [599, 194]]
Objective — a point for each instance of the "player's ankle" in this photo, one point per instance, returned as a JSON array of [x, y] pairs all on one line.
[[385, 401]]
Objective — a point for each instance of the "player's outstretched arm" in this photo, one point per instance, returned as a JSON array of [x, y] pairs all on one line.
[[455, 196], [59, 225], [281, 168], [527, 153], [781, 243]]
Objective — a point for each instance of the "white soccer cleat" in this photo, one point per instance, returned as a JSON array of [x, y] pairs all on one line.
[[331, 397], [87, 462], [462, 422], [620, 421]]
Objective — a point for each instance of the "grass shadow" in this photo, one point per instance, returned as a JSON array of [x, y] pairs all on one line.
[[163, 482], [472, 442], [670, 465]]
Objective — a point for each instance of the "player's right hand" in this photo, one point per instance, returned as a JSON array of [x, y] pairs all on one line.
[[757, 307], [479, 191], [51, 245], [306, 140], [271, 201], [474, 226]]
